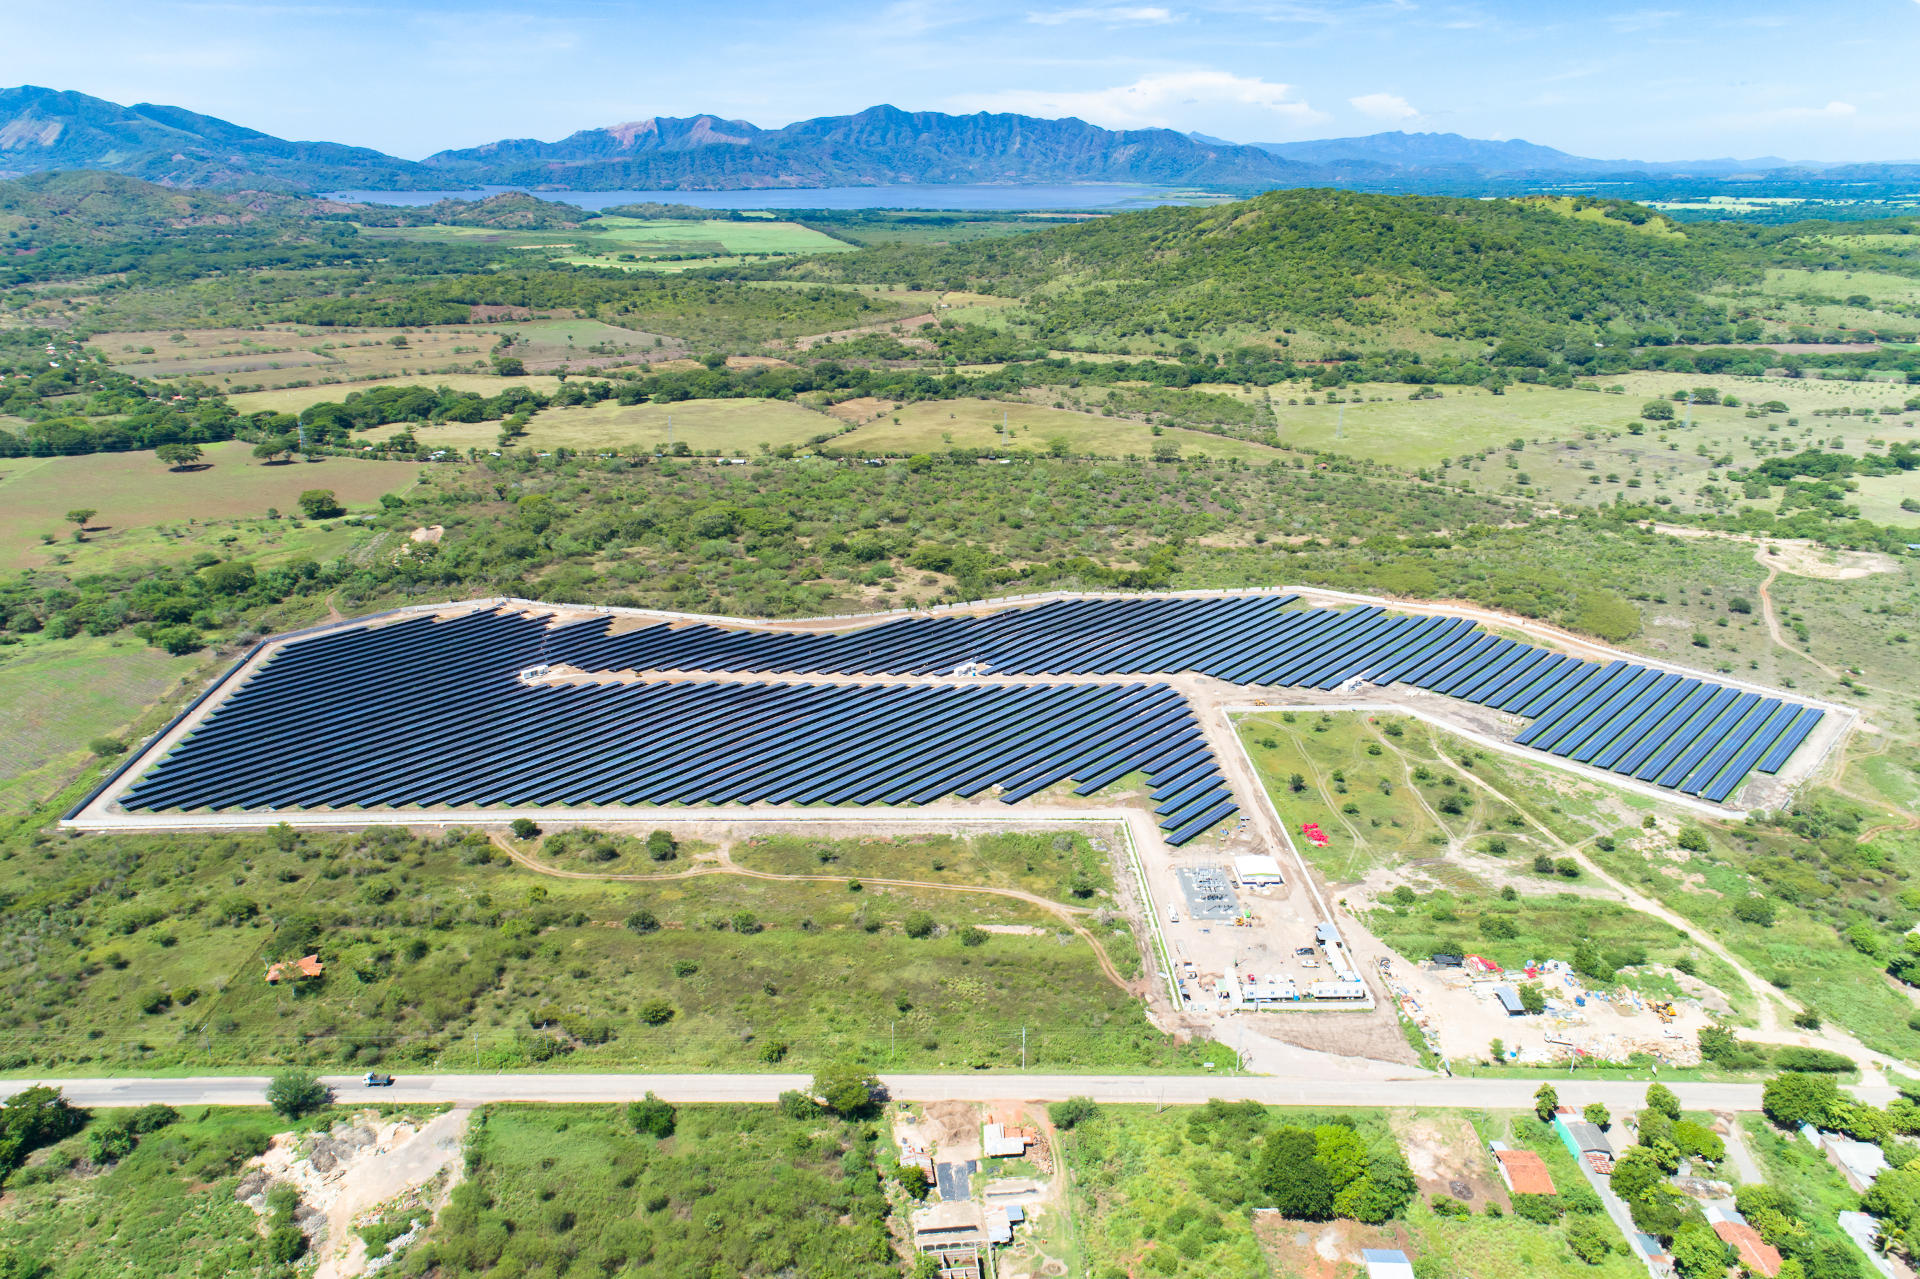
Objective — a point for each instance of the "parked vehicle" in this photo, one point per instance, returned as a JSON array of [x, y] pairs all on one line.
[[378, 1081]]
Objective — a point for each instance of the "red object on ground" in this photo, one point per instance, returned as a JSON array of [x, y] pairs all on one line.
[[1314, 834]]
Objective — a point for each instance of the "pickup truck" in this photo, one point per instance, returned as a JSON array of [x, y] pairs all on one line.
[[378, 1081]]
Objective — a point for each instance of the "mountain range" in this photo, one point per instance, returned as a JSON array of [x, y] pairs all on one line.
[[47, 129]]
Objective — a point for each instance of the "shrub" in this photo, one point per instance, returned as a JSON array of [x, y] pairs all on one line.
[[525, 828], [1589, 1239], [660, 846], [1541, 1209], [656, 1012], [845, 1089], [1693, 839], [1812, 1060], [1754, 910], [651, 1117], [643, 921], [971, 936], [294, 1093], [918, 924], [1071, 1113], [1449, 1207]]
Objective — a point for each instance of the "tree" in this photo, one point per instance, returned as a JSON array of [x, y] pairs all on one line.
[[525, 828], [1532, 998], [918, 924], [78, 518], [1698, 1253], [274, 447], [297, 1092], [321, 504], [1661, 1100], [845, 1088], [1597, 1115], [1636, 1173], [1589, 1238], [178, 457], [1074, 1111], [651, 1117], [1545, 1102], [1297, 1185], [35, 1117], [660, 846], [913, 1180], [643, 921]]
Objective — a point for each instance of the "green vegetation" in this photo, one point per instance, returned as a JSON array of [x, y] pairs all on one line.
[[746, 1190], [140, 1192], [441, 950]]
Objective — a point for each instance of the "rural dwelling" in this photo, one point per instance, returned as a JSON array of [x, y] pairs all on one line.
[[1000, 1143], [1860, 1162], [1585, 1141], [1386, 1263], [1757, 1256], [295, 969], [1510, 1000], [1524, 1172], [1257, 870], [999, 1226], [1862, 1229], [1660, 1262], [954, 1234]]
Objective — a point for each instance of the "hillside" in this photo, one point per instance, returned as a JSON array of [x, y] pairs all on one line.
[[880, 145], [1345, 264], [43, 129]]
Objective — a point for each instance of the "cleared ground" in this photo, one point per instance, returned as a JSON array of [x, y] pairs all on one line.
[[130, 491], [278, 354], [942, 424], [735, 427], [294, 399]]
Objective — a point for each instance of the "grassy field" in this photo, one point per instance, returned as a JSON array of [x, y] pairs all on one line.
[[61, 696], [132, 492], [275, 355], [165, 1211], [734, 427], [1169, 1192], [618, 241], [735, 1190], [941, 424], [1877, 286], [1059, 867], [444, 952], [299, 398]]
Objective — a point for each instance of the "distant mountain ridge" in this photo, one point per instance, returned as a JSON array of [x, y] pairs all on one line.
[[50, 129]]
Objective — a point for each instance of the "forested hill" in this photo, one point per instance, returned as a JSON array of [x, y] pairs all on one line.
[[1337, 262]]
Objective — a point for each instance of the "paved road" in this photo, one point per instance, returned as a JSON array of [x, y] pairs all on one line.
[[1172, 1090]]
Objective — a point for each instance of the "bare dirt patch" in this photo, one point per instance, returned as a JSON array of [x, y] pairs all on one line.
[[1804, 559], [1445, 1155]]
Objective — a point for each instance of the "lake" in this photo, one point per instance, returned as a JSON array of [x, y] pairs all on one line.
[[971, 198]]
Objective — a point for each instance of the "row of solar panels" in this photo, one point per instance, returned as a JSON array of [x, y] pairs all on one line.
[[1696, 736], [431, 713]]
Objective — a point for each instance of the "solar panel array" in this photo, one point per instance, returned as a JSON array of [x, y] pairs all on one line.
[[433, 713], [1692, 735]]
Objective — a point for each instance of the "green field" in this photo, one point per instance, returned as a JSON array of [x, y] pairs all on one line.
[[734, 427], [618, 241], [131, 492], [297, 398], [933, 426], [165, 1211], [61, 696], [735, 1190], [445, 952]]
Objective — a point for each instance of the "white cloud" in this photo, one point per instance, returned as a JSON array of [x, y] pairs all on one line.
[[1833, 112], [1106, 15], [1155, 100], [1384, 106]]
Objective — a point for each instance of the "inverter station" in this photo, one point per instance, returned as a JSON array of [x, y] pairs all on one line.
[[433, 711]]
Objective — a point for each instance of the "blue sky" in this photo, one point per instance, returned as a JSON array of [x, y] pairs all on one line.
[[1827, 80]]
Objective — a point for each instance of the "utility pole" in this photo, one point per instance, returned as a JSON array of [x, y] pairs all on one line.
[[1023, 1050]]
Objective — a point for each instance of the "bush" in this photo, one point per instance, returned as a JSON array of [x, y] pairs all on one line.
[[1449, 1207], [656, 1012], [971, 936], [1693, 839], [525, 828], [1074, 1111], [643, 921], [1589, 1239], [1541, 1209], [106, 747], [295, 1093], [285, 1244], [918, 924], [845, 1089], [660, 846], [651, 1117], [1812, 1060], [1754, 910]]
